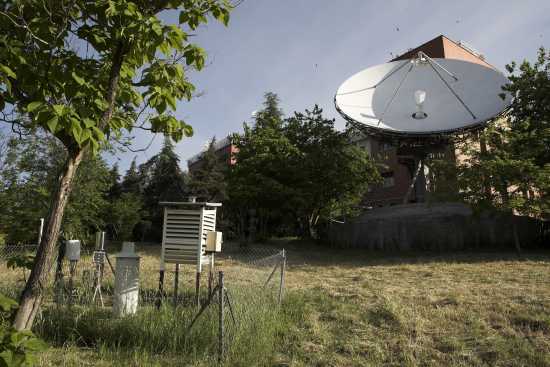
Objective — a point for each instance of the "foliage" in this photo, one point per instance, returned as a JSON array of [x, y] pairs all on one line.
[[131, 183], [208, 182], [330, 175], [17, 348], [24, 261], [300, 169], [128, 48], [256, 186], [511, 171], [85, 72], [162, 180], [122, 216], [28, 180]]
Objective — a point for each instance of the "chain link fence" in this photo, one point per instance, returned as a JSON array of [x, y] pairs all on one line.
[[249, 292], [8, 251]]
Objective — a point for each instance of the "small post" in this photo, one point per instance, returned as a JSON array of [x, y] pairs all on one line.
[[102, 241], [282, 280], [161, 288], [176, 283], [72, 273], [210, 274], [197, 288], [221, 348], [40, 231]]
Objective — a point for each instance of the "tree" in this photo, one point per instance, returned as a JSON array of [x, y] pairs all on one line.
[[122, 215], [297, 170], [329, 175], [256, 189], [85, 71], [115, 189], [162, 180], [208, 182], [511, 171], [29, 180], [131, 183]]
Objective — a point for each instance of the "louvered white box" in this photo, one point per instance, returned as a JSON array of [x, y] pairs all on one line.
[[185, 231]]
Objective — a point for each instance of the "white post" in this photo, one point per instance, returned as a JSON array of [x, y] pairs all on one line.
[[41, 230], [126, 281], [102, 241]]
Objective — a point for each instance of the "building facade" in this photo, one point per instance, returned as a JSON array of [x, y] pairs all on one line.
[[225, 150]]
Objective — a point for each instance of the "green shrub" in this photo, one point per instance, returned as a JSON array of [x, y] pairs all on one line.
[[17, 348]]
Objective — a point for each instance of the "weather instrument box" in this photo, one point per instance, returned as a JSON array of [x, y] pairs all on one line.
[[72, 250], [186, 232], [213, 241]]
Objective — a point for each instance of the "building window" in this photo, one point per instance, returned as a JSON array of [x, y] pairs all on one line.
[[385, 147], [388, 180]]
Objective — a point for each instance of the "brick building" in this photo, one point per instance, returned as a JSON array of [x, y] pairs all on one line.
[[225, 150]]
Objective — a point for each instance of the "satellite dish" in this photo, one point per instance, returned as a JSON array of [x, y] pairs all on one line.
[[422, 97]]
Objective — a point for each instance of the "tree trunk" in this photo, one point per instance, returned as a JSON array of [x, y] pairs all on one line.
[[31, 297]]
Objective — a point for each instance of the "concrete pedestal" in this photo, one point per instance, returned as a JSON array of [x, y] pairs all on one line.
[[126, 281]]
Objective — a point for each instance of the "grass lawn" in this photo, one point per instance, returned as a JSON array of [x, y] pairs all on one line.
[[355, 308]]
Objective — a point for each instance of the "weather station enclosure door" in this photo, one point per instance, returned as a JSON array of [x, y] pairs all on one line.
[[184, 236]]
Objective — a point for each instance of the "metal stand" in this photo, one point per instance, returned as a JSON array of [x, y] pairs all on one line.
[[72, 273], [99, 257], [210, 274], [161, 289], [221, 351], [282, 279], [176, 284], [197, 289]]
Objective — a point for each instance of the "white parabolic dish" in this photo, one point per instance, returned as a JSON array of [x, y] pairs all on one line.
[[459, 95]]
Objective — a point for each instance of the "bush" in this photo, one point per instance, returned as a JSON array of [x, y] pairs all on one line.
[[17, 348]]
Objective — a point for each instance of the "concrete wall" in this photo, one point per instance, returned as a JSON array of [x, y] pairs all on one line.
[[441, 226]]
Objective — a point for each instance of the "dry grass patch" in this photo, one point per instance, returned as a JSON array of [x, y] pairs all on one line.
[[355, 308]]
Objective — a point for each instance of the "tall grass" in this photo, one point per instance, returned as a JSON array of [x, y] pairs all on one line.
[[153, 335]]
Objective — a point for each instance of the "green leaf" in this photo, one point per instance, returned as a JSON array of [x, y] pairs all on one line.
[[100, 103], [7, 304], [184, 17], [33, 106], [7, 357], [89, 122], [8, 71], [58, 109], [52, 123], [78, 79], [100, 135], [36, 345]]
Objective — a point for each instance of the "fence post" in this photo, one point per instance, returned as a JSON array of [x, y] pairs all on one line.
[[197, 289], [282, 280], [221, 302], [176, 284], [161, 288]]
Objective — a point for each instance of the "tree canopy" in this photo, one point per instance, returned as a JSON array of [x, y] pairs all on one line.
[[86, 72], [296, 170], [511, 171]]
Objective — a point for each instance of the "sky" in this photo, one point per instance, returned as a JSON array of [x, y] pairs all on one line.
[[304, 49]]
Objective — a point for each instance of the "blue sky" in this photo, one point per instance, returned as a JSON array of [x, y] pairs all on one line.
[[304, 49]]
